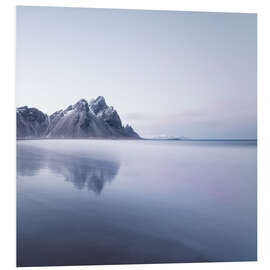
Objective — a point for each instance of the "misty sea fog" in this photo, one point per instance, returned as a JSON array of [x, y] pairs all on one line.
[[135, 201]]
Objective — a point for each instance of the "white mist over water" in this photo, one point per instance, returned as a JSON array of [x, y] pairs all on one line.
[[116, 201]]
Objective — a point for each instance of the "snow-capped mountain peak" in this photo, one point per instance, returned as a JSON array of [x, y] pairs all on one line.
[[98, 105], [83, 119]]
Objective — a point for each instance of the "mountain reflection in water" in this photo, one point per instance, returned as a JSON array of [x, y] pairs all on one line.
[[171, 201], [83, 172]]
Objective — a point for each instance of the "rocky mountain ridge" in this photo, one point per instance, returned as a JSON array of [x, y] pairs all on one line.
[[81, 120]]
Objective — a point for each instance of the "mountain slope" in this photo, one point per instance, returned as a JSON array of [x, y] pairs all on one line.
[[81, 120], [31, 122]]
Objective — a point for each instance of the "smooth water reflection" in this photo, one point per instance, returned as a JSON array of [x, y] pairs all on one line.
[[83, 172], [158, 202]]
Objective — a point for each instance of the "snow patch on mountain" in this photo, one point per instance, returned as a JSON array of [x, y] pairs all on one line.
[[81, 120]]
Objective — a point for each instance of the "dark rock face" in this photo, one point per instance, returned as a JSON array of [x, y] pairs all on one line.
[[31, 122], [98, 105], [82, 120], [129, 130], [105, 113]]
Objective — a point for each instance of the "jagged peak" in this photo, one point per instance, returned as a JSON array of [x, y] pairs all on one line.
[[22, 108], [81, 105], [100, 98], [96, 119], [97, 105], [81, 101], [30, 110], [69, 108], [131, 131], [57, 114], [128, 127]]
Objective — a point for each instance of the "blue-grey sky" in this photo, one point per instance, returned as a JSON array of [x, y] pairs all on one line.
[[166, 72]]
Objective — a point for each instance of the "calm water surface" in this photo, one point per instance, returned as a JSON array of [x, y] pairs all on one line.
[[113, 202]]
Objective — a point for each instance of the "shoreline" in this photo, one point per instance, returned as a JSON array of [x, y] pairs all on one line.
[[140, 139]]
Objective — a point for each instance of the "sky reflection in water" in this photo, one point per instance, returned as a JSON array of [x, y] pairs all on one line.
[[107, 202]]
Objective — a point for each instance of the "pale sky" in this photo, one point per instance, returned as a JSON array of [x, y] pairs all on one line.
[[173, 73]]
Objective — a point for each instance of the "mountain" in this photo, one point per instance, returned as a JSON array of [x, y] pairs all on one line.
[[31, 122], [81, 120]]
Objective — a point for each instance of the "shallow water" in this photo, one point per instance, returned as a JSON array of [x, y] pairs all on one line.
[[113, 201]]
